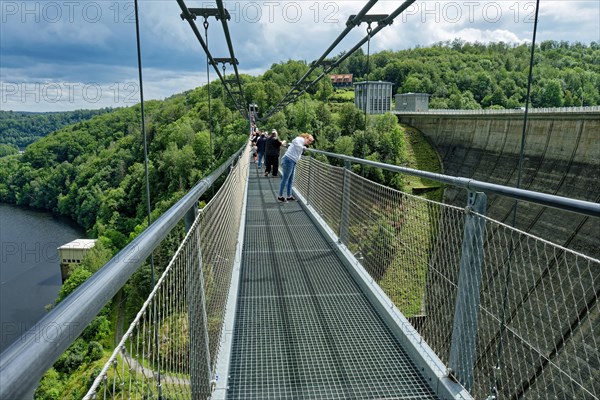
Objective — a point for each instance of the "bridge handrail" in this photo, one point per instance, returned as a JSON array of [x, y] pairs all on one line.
[[23, 363], [563, 203]]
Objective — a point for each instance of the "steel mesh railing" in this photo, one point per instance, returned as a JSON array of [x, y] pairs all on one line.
[[538, 306], [170, 349], [537, 315]]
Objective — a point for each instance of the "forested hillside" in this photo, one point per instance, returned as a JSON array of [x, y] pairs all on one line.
[[461, 75], [93, 172], [20, 129]]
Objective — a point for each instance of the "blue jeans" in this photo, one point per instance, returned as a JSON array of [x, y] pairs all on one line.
[[261, 156], [287, 178]]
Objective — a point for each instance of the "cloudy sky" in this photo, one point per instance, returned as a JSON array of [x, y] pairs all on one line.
[[66, 55]]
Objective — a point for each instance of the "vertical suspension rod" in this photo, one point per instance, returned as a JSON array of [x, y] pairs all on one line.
[[502, 328]]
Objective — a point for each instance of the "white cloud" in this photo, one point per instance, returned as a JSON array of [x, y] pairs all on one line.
[[484, 36]]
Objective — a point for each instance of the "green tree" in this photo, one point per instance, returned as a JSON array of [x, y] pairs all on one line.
[[50, 387], [496, 98], [412, 84], [278, 121], [77, 277], [97, 256], [8, 149], [349, 119], [301, 116], [325, 89], [344, 145], [482, 86], [552, 95]]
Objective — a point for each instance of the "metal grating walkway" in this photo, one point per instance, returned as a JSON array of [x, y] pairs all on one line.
[[303, 329]]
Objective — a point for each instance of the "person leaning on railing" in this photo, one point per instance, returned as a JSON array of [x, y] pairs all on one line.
[[288, 164]]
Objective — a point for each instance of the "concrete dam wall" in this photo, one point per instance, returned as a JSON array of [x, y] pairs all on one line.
[[552, 306], [561, 157]]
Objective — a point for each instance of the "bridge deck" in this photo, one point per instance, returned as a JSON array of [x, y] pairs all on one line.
[[303, 328]]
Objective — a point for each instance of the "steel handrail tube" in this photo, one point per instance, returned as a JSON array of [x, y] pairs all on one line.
[[562, 203], [23, 364]]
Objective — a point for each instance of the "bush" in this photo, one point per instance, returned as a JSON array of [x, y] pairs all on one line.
[[69, 362], [98, 330], [50, 386], [71, 359], [95, 351]]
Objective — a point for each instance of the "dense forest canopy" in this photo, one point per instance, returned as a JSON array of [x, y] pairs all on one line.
[[20, 129], [461, 75], [93, 171]]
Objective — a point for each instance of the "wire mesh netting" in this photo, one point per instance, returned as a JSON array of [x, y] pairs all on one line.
[[537, 320], [170, 349]]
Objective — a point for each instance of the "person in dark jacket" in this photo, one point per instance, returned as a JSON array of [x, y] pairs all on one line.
[[273, 146], [260, 148]]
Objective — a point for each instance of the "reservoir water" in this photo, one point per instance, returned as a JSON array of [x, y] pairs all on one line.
[[29, 266]]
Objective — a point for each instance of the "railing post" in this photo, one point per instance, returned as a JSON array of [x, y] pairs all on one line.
[[310, 177], [190, 217], [464, 331], [345, 203], [199, 359]]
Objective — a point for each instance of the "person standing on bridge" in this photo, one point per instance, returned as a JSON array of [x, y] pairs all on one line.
[[272, 149], [260, 148], [288, 164], [253, 148]]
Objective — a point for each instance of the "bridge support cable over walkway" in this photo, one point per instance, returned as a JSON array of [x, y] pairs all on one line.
[[303, 327]]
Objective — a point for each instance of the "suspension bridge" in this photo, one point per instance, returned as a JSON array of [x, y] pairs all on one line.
[[356, 290]]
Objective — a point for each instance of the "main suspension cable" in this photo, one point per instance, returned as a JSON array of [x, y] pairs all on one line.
[[224, 17], [149, 210], [349, 26], [502, 329], [208, 91]]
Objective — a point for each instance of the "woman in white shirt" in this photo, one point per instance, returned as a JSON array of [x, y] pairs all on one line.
[[288, 164]]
